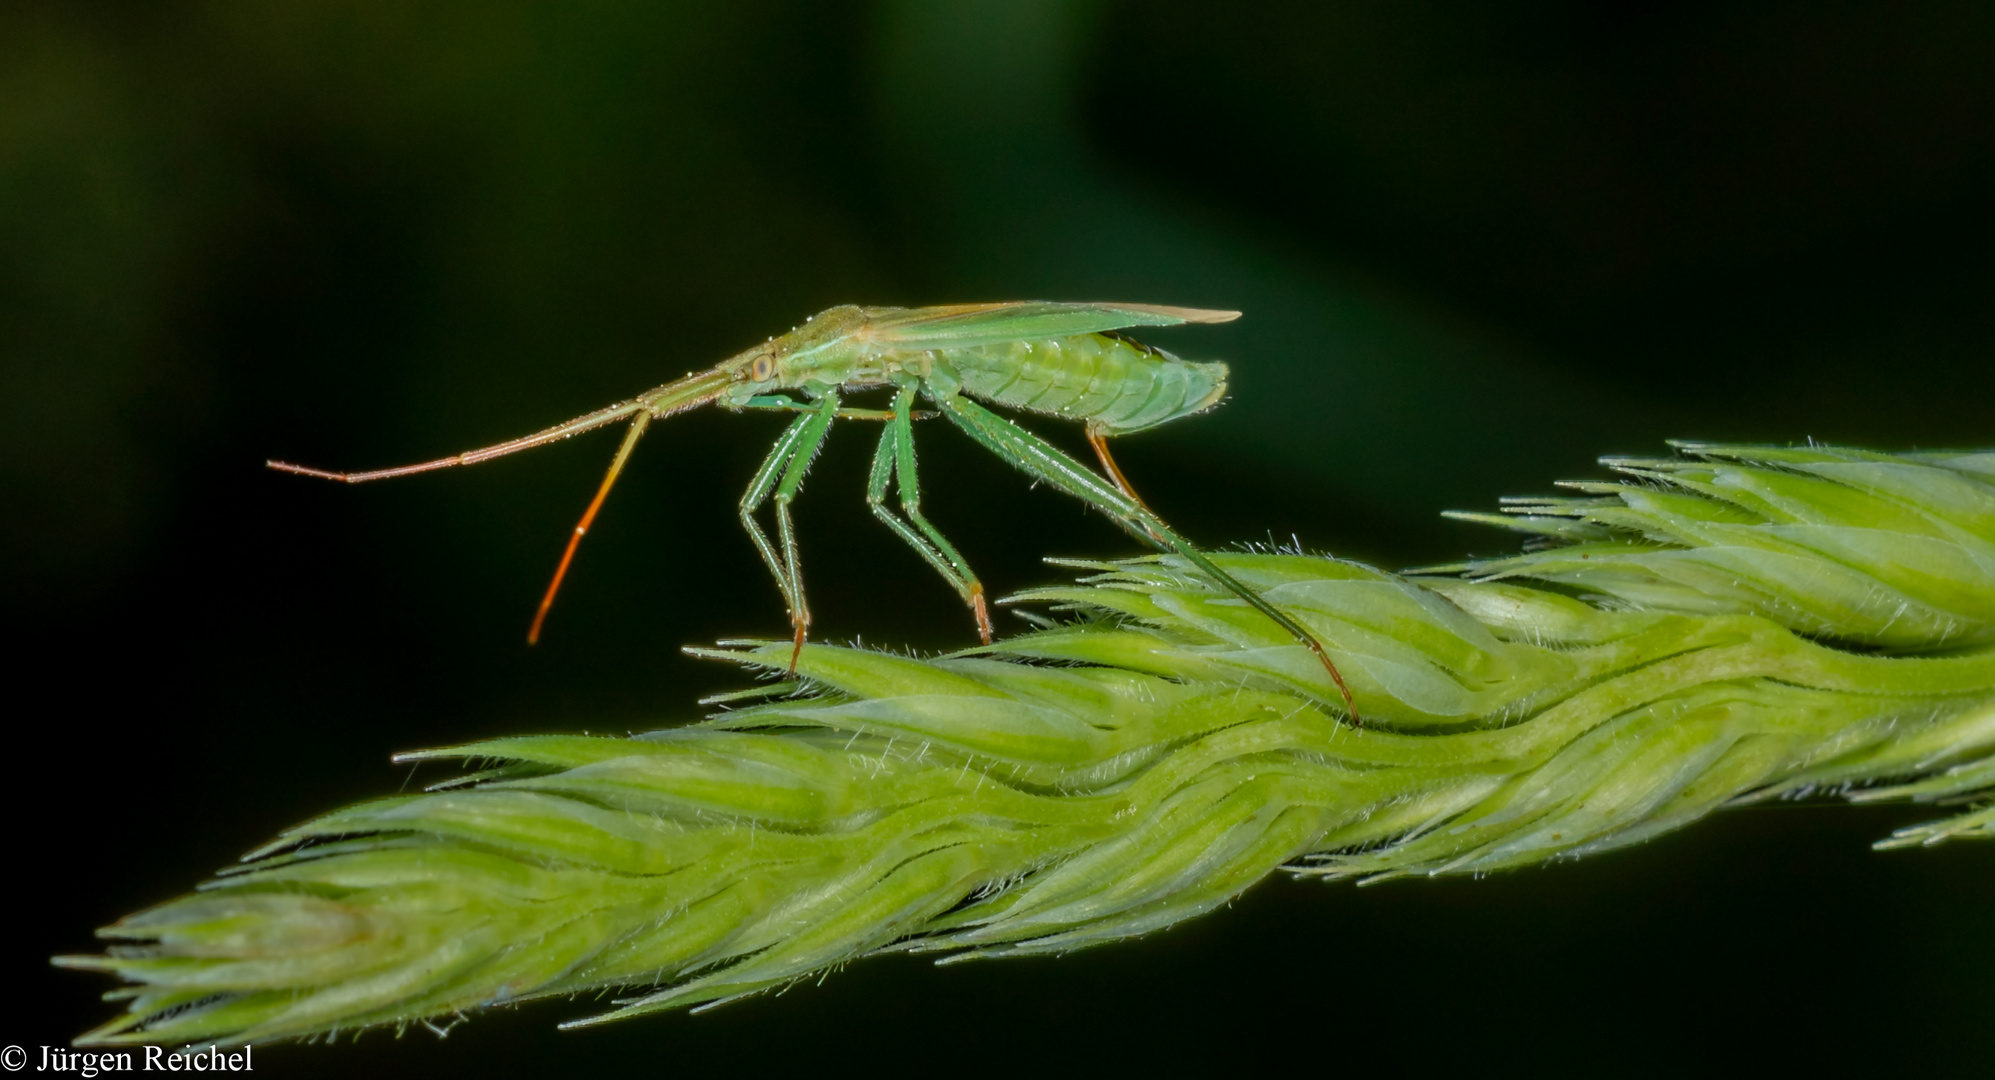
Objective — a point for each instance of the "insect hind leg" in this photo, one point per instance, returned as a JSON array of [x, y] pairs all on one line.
[[1100, 443], [1036, 458]]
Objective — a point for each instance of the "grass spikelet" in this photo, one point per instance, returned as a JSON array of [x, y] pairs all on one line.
[[1732, 624]]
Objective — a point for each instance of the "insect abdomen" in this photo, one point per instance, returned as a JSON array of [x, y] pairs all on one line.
[[1115, 384]]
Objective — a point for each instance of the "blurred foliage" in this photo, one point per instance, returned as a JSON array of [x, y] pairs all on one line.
[[1475, 248]]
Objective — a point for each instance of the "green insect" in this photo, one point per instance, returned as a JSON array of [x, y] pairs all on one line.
[[1062, 360]]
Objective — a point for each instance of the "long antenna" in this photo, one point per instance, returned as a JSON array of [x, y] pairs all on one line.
[[637, 427], [576, 426], [696, 389]]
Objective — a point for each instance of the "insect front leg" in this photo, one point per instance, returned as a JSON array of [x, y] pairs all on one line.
[[816, 425], [896, 457], [782, 474]]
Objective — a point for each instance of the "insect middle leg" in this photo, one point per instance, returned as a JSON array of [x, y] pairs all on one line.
[[895, 459], [782, 473]]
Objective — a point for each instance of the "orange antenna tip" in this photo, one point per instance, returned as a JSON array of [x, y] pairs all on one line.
[[303, 470], [582, 527]]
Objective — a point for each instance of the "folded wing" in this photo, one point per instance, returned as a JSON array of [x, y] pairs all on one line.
[[969, 325]]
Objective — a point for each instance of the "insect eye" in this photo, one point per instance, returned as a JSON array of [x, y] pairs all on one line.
[[763, 367]]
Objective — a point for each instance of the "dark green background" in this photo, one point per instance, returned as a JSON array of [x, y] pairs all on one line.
[[1476, 247]]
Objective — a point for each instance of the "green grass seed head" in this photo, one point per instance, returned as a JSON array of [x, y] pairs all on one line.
[[1736, 623]]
